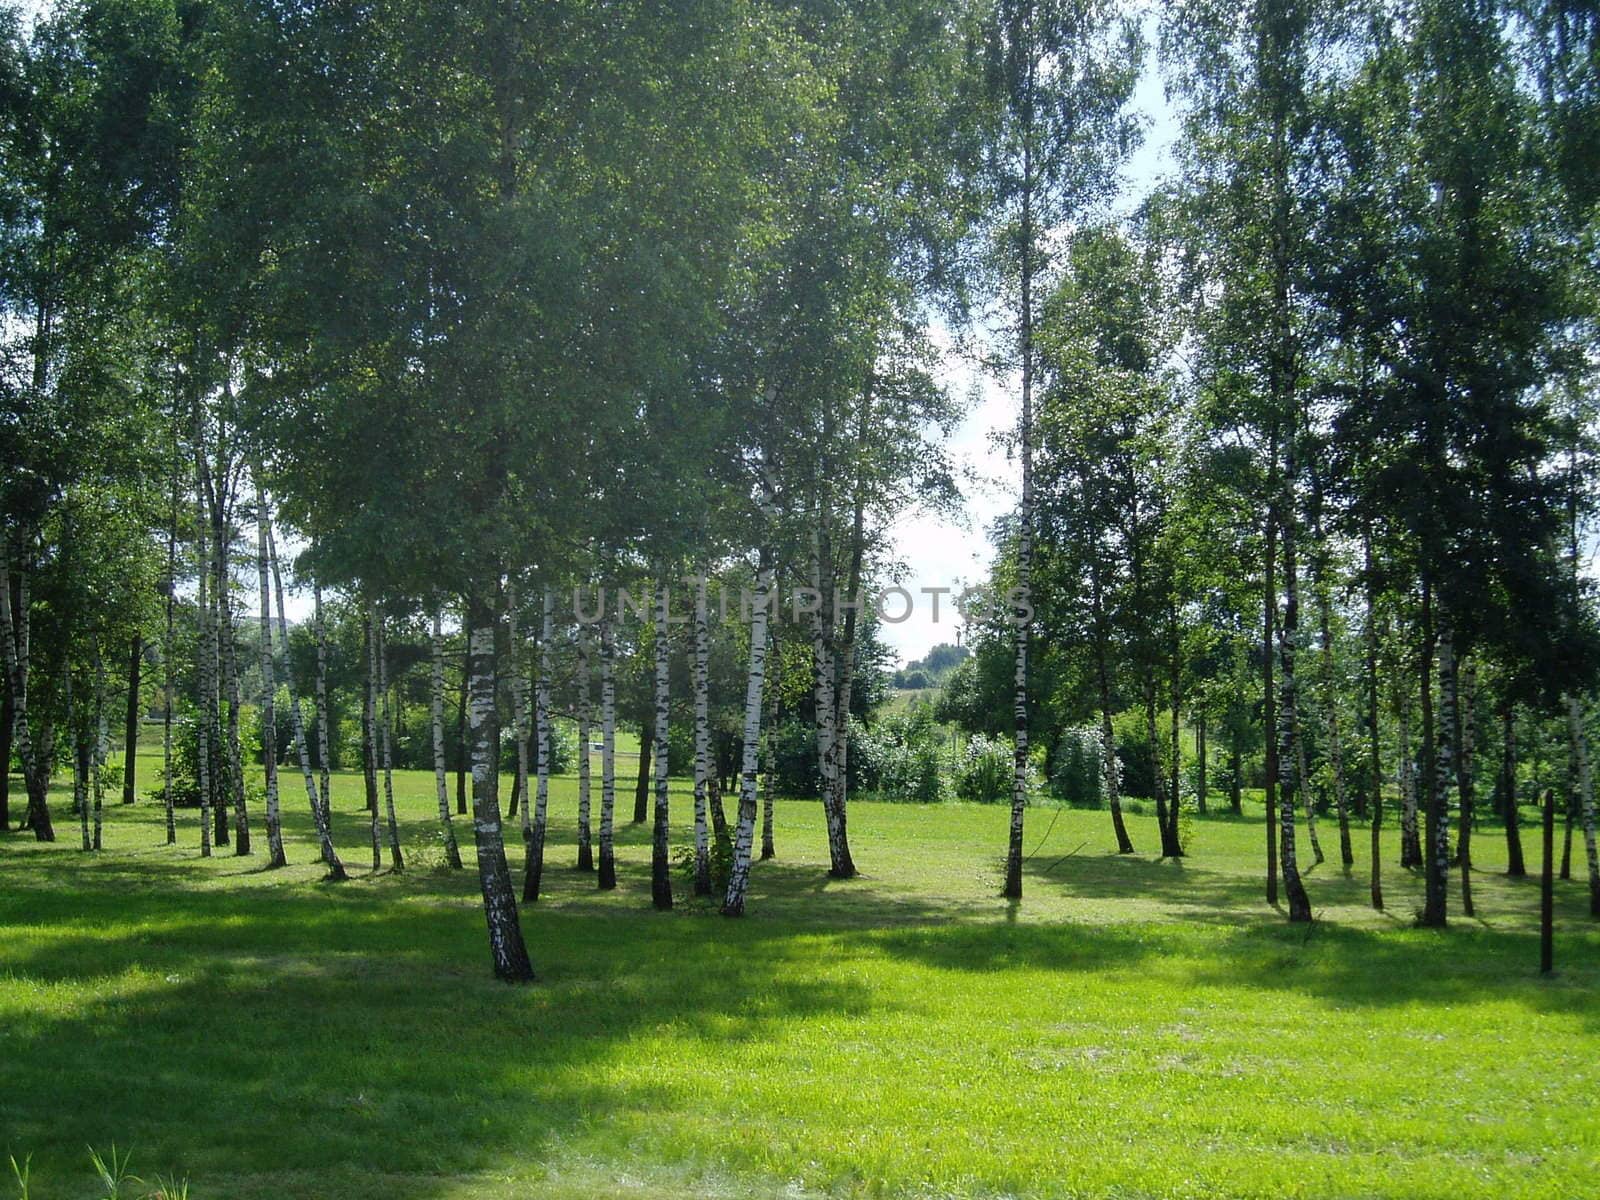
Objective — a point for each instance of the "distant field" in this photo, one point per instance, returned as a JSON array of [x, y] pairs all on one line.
[[1133, 1028]]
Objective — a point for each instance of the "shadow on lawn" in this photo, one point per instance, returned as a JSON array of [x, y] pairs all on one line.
[[236, 1034]]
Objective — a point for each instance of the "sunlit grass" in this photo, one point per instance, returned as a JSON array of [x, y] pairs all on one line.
[[1133, 1028]]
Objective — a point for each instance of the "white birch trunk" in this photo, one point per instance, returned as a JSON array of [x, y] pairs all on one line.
[[1305, 787], [436, 698], [206, 714], [319, 814], [369, 737], [702, 739], [1410, 841], [380, 642], [585, 731], [769, 803], [323, 758], [541, 725], [660, 868], [15, 639], [522, 720], [1290, 755], [608, 761], [822, 692], [1580, 752], [233, 750], [102, 742], [744, 829], [507, 949], [1445, 772], [80, 800], [269, 687]]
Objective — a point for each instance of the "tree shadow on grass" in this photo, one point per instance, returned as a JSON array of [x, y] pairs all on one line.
[[231, 1035]]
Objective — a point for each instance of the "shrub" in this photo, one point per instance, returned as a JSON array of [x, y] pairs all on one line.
[[985, 771], [902, 758], [721, 856], [1076, 777]]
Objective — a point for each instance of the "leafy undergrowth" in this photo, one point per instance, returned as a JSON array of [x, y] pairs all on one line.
[[1133, 1028]]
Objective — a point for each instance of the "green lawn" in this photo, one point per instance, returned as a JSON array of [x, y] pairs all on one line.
[[1133, 1028]]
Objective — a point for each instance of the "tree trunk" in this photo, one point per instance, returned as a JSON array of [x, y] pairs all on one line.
[[1171, 843], [302, 748], [702, 740], [130, 727], [506, 947], [827, 712], [660, 867], [755, 681], [1235, 776], [1374, 748], [80, 764], [522, 723], [380, 642], [1269, 714], [14, 657], [1200, 761], [641, 787], [1304, 776], [461, 745], [233, 753], [324, 760], [534, 871], [1289, 756], [1111, 773], [1022, 614], [8, 716], [452, 851], [1462, 684], [369, 740], [1330, 704], [1515, 866], [1547, 891], [1580, 742], [585, 731], [769, 780], [1436, 865], [167, 658], [206, 716], [1152, 733], [101, 744], [1410, 834], [608, 761], [269, 687]]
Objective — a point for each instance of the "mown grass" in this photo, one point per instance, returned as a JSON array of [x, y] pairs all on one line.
[[1133, 1028]]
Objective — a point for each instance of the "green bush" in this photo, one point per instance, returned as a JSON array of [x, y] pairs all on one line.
[[902, 758], [986, 769], [1076, 777], [721, 855]]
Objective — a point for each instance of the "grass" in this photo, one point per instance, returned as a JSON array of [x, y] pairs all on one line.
[[1133, 1028]]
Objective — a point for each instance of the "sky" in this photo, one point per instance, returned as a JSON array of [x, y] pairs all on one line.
[[939, 551]]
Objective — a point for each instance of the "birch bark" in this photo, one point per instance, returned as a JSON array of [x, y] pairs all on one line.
[[380, 642], [702, 739], [608, 761], [660, 868], [541, 719], [506, 946], [447, 827], [744, 829], [269, 687], [302, 749], [585, 732]]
